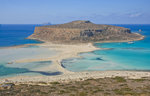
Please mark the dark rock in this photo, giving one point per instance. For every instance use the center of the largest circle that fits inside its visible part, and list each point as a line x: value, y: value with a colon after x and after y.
x: 99, y: 59
x: 10, y: 63
x: 6, y: 86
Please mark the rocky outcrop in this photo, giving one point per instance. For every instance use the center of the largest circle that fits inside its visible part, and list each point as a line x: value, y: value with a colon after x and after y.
x: 83, y: 32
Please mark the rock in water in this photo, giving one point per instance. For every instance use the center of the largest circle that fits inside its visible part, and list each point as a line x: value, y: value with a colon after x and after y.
x: 83, y: 32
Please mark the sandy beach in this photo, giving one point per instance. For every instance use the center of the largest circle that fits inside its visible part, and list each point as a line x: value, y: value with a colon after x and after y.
x: 69, y: 51
x: 78, y: 76
x: 65, y: 51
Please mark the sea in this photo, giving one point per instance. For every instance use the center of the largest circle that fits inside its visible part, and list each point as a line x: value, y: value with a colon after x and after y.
x: 16, y: 34
x: 118, y: 56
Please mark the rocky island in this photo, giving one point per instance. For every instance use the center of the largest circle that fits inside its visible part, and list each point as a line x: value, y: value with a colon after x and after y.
x: 83, y: 32
x: 56, y: 79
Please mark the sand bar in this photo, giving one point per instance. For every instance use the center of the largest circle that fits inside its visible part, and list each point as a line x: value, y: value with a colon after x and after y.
x: 69, y: 51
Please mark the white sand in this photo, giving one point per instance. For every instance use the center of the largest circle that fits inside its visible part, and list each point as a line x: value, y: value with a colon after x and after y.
x: 65, y: 51
x: 68, y: 51
x: 75, y: 76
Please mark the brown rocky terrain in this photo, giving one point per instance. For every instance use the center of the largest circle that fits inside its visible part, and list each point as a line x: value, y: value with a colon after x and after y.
x: 83, y: 32
x: 117, y: 86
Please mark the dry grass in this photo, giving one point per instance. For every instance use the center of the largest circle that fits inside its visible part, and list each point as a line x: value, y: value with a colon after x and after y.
x: 92, y: 87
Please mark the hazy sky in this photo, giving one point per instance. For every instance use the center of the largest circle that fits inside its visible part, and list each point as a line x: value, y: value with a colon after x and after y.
x: 61, y: 11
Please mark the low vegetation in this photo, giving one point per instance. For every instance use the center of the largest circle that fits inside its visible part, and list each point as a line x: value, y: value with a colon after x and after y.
x: 117, y: 86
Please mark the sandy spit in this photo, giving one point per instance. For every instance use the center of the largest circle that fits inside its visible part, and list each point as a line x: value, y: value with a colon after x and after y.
x: 69, y: 51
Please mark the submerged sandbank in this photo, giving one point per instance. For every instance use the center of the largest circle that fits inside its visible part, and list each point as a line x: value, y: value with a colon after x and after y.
x: 69, y: 51
x: 10, y: 68
x: 65, y: 51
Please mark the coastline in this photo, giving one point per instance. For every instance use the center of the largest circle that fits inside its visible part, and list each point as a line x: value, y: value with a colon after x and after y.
x: 77, y: 76
x: 65, y: 51
x: 69, y: 51
x: 141, y: 38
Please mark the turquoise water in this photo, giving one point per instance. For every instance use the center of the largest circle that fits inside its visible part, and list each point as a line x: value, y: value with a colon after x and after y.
x: 21, y: 68
x: 31, y: 52
x: 25, y: 69
x: 16, y: 34
x: 120, y: 56
x: 29, y: 68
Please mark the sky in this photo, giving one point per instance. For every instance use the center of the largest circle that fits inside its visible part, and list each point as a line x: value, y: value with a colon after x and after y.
x: 62, y: 11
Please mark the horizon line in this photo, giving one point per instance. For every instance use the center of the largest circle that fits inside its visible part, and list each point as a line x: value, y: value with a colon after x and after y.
x: 62, y: 23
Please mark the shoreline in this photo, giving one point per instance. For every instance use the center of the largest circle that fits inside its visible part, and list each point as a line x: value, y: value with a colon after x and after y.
x: 142, y: 37
x: 65, y: 51
x: 69, y: 51
x: 77, y: 76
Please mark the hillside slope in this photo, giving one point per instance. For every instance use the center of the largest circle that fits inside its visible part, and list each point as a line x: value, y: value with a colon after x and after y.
x: 83, y: 32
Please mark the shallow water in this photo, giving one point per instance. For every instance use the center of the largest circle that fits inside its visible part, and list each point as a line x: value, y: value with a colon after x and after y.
x: 120, y: 56
x: 29, y: 68
x: 16, y: 34
x: 31, y: 52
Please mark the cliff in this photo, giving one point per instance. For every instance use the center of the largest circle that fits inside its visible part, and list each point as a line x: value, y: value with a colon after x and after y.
x: 83, y: 32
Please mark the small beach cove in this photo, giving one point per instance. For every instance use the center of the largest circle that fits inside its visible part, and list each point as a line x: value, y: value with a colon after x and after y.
x: 53, y: 58
x: 65, y: 51
x: 26, y: 57
x: 74, y: 48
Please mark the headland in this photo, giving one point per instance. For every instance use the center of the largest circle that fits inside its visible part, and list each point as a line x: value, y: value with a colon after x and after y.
x: 69, y: 40
x: 83, y: 32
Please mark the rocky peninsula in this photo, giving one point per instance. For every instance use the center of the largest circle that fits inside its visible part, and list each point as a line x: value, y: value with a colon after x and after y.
x: 74, y: 38
x: 83, y: 32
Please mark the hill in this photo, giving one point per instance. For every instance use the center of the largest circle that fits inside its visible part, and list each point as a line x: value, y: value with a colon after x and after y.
x: 83, y: 32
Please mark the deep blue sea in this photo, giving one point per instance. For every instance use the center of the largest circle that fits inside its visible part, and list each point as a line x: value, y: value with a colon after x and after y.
x: 16, y: 34
x: 120, y: 56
